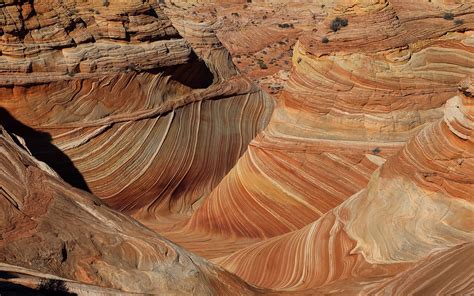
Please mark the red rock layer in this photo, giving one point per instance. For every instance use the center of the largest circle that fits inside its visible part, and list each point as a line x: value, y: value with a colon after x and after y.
x: 56, y: 39
x: 150, y: 135
x: 431, y: 275
x: 427, y: 277
x: 54, y: 228
x: 395, y: 221
x: 336, y: 121
x: 260, y: 36
x: 388, y: 24
x: 446, y: 165
x: 120, y: 146
x: 314, y: 256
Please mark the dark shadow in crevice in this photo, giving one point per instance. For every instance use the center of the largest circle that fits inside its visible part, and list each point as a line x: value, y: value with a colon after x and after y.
x: 40, y: 145
x: 7, y: 275
x: 194, y: 74
x: 13, y: 289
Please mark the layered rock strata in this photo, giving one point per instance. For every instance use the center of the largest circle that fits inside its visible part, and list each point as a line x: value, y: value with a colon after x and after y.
x: 418, y: 203
x: 53, y: 228
x: 360, y: 183
x: 146, y: 133
x: 337, y: 120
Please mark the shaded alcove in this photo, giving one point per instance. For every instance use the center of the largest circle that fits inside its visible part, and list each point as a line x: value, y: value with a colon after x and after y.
x: 40, y: 145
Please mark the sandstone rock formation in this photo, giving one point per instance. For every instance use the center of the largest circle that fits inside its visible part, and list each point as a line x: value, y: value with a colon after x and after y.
x: 260, y: 38
x: 113, y: 101
x: 15, y: 280
x: 355, y: 178
x: 418, y: 202
x: 54, y: 38
x: 338, y: 118
x: 54, y: 228
x: 137, y: 132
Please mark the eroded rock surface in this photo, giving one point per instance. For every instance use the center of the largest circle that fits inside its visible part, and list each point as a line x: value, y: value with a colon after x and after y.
x: 356, y: 177
x: 151, y: 129
x: 342, y: 113
x: 51, y: 227
x: 410, y: 209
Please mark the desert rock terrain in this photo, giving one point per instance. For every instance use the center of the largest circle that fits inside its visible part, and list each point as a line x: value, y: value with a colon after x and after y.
x: 237, y: 148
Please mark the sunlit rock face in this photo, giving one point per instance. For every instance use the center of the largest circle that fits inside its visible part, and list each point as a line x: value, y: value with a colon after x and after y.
x: 53, y: 228
x: 346, y: 108
x: 51, y: 39
x: 115, y: 102
x: 355, y: 178
x: 260, y: 37
x: 417, y: 203
x: 127, y: 109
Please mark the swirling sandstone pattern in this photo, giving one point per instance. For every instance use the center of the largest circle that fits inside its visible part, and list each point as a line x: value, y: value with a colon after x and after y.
x: 408, y: 210
x: 338, y: 119
x: 140, y: 131
x: 359, y: 182
x: 61, y: 230
x: 430, y: 276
